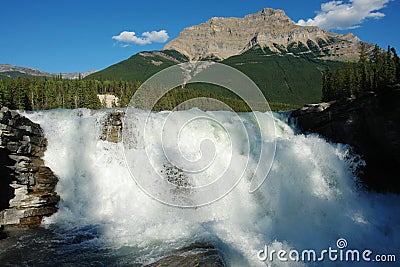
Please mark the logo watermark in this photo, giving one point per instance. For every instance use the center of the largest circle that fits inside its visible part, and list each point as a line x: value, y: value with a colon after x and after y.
x: 340, y: 253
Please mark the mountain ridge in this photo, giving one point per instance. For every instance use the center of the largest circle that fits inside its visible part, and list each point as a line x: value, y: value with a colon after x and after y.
x: 10, y: 71
x: 284, y: 78
x: 222, y: 38
x: 284, y: 60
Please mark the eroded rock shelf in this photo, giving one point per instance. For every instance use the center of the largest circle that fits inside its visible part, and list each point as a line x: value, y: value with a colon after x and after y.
x: 27, y: 185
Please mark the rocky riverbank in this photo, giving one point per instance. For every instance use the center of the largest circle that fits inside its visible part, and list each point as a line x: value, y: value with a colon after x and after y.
x: 27, y: 186
x: 370, y: 124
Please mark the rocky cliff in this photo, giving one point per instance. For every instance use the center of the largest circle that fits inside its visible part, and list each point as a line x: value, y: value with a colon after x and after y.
x: 26, y: 185
x: 371, y: 124
x: 270, y: 29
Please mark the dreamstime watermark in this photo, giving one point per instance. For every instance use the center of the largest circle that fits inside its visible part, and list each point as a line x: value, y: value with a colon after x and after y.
x: 171, y: 183
x: 340, y: 253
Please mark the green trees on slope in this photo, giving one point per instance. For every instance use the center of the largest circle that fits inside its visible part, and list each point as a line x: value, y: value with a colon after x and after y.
x: 39, y: 94
x: 373, y: 72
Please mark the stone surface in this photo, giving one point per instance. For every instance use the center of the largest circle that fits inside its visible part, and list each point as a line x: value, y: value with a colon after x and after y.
x: 204, y: 255
x: 112, y: 126
x: 224, y: 37
x: 27, y: 186
x: 108, y: 101
x: 3, y: 235
x: 371, y: 124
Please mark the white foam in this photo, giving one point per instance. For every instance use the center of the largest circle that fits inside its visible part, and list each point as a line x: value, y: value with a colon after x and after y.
x: 308, y: 201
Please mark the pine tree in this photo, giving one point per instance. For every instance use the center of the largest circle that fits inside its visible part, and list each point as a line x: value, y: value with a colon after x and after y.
x: 363, y: 54
x: 337, y: 84
x: 390, y: 68
x: 4, y: 94
x: 347, y: 82
x: 397, y: 64
x: 363, y: 70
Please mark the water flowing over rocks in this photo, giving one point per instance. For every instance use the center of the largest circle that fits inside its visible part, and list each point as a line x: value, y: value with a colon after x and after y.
x: 194, y: 255
x: 370, y: 123
x: 26, y: 185
x: 270, y: 29
x: 105, y: 218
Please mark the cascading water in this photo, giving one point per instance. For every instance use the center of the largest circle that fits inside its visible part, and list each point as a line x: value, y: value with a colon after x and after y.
x: 309, y: 200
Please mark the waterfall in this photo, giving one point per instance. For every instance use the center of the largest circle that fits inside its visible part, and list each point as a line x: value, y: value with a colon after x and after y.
x: 309, y: 200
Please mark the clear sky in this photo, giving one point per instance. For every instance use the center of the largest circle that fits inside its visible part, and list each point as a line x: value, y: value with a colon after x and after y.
x: 69, y: 36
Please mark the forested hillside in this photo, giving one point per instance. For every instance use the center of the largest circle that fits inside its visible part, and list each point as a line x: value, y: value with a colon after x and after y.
x: 287, y: 81
x: 41, y: 94
x: 373, y: 72
x: 283, y: 78
x: 48, y: 93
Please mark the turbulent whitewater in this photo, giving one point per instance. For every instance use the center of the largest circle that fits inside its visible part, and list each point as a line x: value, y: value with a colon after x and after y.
x: 309, y: 200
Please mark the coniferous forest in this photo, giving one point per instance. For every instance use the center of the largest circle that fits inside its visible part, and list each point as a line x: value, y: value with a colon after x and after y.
x: 47, y: 93
x: 376, y: 70
x: 39, y: 93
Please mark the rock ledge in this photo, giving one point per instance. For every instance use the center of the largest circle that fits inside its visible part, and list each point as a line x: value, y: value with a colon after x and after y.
x: 26, y: 185
x: 370, y: 124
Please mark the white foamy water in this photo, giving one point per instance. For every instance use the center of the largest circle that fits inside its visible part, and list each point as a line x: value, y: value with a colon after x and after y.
x: 309, y: 200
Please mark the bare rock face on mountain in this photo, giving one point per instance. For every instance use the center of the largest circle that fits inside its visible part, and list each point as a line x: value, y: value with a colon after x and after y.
x: 11, y: 71
x: 270, y: 29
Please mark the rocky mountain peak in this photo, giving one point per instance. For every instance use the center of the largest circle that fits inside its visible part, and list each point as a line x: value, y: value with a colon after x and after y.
x: 269, y: 14
x: 270, y: 29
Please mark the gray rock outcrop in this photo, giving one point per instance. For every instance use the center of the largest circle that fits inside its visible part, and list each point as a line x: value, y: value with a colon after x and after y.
x: 270, y: 29
x: 112, y: 126
x: 26, y: 184
x: 370, y: 124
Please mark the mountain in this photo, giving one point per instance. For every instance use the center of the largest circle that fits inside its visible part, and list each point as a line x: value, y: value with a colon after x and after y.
x: 15, y: 71
x: 7, y: 70
x: 270, y: 29
x: 285, y: 60
x: 283, y: 78
x: 141, y: 66
x: 76, y: 75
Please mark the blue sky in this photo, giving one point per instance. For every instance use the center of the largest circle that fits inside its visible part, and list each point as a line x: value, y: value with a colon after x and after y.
x: 68, y: 36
